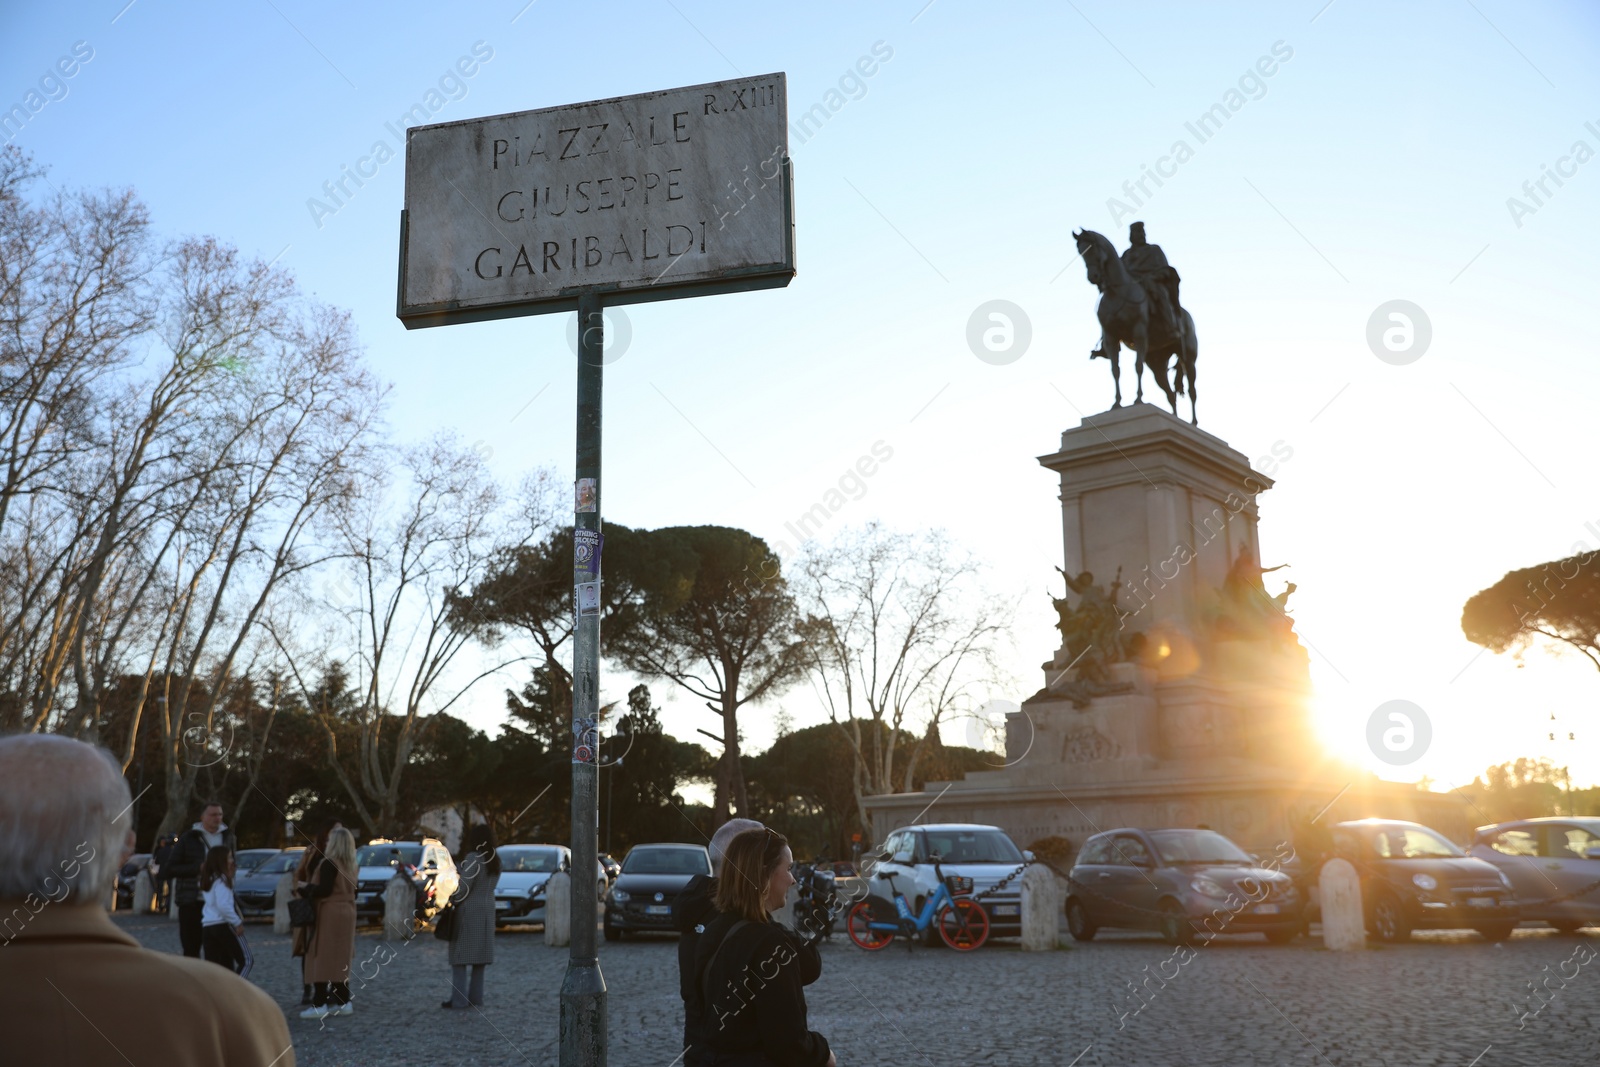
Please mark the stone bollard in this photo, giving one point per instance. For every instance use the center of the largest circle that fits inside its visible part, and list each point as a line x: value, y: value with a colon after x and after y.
x: 558, y: 910
x: 399, y: 908
x: 172, y: 899
x: 1344, y: 924
x: 1041, y: 909
x: 144, y: 894
x: 281, y: 895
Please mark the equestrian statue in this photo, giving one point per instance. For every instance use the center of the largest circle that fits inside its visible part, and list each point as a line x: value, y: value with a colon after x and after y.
x: 1139, y: 308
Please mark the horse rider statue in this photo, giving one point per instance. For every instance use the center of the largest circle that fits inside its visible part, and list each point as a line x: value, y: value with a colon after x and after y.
x: 1139, y: 308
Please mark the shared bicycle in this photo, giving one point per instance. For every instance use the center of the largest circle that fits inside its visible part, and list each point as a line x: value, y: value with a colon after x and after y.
x: 961, y: 921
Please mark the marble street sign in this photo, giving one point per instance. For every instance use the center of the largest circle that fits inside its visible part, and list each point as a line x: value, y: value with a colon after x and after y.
x: 682, y: 192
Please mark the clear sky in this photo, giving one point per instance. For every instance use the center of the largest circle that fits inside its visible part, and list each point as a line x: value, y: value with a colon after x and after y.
x: 1375, y: 163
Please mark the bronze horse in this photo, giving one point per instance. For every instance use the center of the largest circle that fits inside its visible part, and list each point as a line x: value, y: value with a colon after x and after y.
x: 1124, y: 313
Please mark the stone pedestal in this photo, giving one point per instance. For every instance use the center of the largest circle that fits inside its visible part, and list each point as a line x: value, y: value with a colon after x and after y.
x: 144, y: 893
x: 1041, y: 909
x: 399, y: 909
x: 1344, y: 926
x: 281, y: 895
x: 1207, y: 722
x: 558, y: 910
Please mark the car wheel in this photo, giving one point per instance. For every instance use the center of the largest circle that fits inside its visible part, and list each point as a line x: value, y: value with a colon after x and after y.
x: 1282, y: 937
x: 1567, y: 926
x: 1389, y: 923
x: 1176, y: 929
x: 1078, y: 924
x: 1496, y: 931
x: 612, y: 933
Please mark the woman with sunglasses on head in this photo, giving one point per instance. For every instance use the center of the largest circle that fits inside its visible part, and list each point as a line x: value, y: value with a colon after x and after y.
x: 752, y: 969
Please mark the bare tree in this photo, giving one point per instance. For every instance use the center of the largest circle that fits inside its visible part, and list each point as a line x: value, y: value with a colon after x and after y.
x: 411, y: 550
x: 896, y: 637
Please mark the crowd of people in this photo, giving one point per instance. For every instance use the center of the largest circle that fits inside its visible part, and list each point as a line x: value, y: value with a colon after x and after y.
x: 65, y: 828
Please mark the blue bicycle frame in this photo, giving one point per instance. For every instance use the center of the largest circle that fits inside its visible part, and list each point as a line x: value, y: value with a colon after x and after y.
x: 969, y: 931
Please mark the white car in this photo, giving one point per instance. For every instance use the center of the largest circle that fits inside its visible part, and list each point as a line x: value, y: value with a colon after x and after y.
x: 524, y: 872
x: 426, y: 863
x: 985, y: 854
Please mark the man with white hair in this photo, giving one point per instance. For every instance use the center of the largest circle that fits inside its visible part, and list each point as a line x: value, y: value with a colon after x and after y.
x: 76, y: 989
x: 691, y: 913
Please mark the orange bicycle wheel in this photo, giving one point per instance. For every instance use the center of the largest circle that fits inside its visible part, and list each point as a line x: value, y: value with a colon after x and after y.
x: 964, y: 925
x: 859, y: 925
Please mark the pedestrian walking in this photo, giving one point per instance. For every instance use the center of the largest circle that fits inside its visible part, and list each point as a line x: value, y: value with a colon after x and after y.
x: 160, y: 880
x: 222, y: 928
x: 752, y: 970
x: 333, y: 935
x: 472, y: 946
x: 300, y: 936
x: 184, y: 864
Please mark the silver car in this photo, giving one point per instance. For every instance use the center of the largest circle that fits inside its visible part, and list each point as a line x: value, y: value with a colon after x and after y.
x: 1550, y: 862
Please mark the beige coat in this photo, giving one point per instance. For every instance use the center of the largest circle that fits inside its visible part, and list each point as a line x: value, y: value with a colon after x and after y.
x: 333, y: 938
x: 78, y: 990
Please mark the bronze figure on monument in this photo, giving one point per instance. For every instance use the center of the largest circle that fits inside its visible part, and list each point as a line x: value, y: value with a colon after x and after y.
x: 1139, y: 308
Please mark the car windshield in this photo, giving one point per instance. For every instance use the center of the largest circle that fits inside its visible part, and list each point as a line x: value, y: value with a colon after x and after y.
x: 530, y: 860
x: 1410, y: 843
x: 388, y: 855
x: 283, y: 861
x: 971, y: 846
x: 1197, y: 846
x: 251, y: 858
x: 666, y: 861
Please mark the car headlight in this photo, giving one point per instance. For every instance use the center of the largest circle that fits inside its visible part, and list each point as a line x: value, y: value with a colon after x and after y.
x: 619, y: 895
x: 1207, y: 888
x: 1425, y: 882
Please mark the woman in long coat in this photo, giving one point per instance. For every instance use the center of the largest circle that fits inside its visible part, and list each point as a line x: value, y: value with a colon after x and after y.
x: 472, y: 946
x: 333, y: 937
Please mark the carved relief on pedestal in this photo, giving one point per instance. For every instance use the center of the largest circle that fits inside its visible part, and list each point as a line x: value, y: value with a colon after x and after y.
x: 1085, y: 744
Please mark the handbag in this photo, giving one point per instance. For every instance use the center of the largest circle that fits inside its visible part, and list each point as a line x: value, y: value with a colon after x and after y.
x: 302, y: 912
x: 445, y: 926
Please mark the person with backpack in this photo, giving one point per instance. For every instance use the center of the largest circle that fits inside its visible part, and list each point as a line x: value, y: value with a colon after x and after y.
x: 183, y: 866
x: 222, y: 928
x: 751, y: 970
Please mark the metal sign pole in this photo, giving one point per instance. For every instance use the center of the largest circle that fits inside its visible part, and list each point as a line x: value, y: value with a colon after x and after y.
x: 583, y: 991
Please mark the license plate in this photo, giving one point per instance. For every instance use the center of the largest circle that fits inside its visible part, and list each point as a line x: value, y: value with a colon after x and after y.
x: 1480, y: 902
x: 1266, y: 909
x: 658, y: 909
x: 502, y: 905
x: 1007, y: 909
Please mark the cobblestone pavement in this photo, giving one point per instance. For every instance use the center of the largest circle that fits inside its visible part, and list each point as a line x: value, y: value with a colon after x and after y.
x: 1446, y: 999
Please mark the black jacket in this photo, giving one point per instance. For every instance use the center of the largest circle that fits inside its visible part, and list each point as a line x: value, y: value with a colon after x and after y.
x: 188, y: 855
x: 691, y: 913
x: 755, y: 1013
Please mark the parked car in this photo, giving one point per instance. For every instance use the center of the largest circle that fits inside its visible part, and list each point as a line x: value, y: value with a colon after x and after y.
x: 612, y: 867
x: 984, y: 854
x: 255, y: 890
x: 652, y: 876
x: 127, y: 876
x: 247, y: 859
x: 1544, y: 859
x: 426, y: 863
x: 1178, y: 882
x: 525, y: 870
x: 1413, y: 878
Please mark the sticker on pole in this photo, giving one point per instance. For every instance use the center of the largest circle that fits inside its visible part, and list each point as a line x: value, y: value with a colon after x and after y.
x: 681, y: 192
x: 586, y: 545
x: 587, y: 495
x: 585, y: 740
x: 588, y: 598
